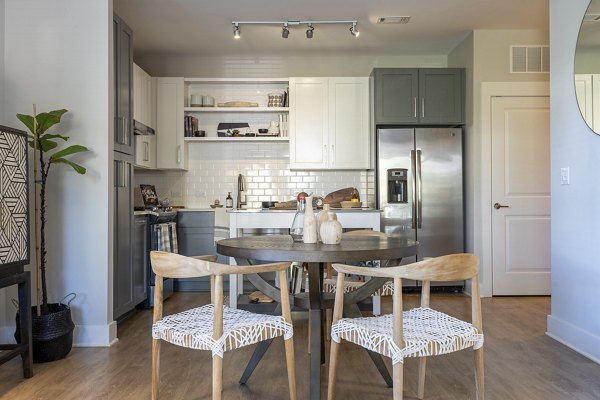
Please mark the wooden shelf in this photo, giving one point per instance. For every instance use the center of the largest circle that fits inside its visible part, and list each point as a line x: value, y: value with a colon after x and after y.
x: 237, y: 109
x: 238, y: 139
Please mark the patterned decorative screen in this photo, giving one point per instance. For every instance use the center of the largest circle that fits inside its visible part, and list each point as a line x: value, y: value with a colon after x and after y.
x: 14, y: 196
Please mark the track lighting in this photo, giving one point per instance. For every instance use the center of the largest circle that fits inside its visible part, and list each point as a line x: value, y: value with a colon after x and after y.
x: 285, y: 30
x: 309, y: 31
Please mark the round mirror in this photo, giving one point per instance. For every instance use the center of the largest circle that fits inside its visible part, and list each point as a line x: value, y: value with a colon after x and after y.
x: 587, y: 66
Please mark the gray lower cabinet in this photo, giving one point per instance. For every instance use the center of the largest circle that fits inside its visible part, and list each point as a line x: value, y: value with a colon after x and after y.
x: 195, y: 237
x: 408, y: 96
x: 123, y: 297
x: 140, y: 258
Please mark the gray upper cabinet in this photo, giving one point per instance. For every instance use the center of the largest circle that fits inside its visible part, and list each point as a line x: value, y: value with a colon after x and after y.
x: 123, y: 70
x: 419, y: 96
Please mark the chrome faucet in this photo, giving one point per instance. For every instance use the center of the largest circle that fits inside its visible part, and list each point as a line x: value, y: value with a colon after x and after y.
x: 240, y: 189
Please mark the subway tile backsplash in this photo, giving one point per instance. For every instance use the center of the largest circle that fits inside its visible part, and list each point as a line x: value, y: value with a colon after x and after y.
x: 214, y: 168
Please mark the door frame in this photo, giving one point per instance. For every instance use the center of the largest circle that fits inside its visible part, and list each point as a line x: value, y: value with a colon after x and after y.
x: 483, y: 217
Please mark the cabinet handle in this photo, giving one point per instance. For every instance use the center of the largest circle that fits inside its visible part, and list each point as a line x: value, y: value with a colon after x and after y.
x: 415, y: 113
x: 178, y: 154
x: 333, y: 154
x: 423, y: 107
x: 123, y: 137
x: 146, y: 152
x: 121, y: 174
x: 325, y: 153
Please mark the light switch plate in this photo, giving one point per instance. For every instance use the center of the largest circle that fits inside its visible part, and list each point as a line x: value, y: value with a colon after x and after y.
x: 565, y: 179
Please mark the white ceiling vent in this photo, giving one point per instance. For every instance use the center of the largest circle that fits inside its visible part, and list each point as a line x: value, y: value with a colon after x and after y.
x: 529, y: 59
x: 393, y: 20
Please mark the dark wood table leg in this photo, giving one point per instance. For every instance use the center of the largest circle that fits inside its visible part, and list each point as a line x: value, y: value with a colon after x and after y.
x: 351, y: 310
x: 259, y: 352
x: 317, y: 353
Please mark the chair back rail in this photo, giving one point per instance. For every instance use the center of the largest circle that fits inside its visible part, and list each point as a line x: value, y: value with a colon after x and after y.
x: 451, y: 267
x: 170, y: 265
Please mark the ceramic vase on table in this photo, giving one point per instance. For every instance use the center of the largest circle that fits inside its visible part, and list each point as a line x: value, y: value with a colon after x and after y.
x: 331, y: 230
x: 322, y: 217
x: 310, y: 223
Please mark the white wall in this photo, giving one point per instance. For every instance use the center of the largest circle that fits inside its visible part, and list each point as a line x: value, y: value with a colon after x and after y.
x: 574, y: 319
x: 57, y: 55
x: 463, y: 56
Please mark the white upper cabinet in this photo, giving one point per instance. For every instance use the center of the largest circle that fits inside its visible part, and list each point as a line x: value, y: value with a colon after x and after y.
x: 329, y: 123
x: 142, y: 96
x: 171, y: 148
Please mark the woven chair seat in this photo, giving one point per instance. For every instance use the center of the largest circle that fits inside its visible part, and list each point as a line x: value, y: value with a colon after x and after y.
x: 330, y: 285
x: 194, y: 328
x: 426, y: 332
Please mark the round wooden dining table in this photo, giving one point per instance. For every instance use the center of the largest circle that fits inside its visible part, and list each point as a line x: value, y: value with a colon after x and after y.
x: 250, y: 250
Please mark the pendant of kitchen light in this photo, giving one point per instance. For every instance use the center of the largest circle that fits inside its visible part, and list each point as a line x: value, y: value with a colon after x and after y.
x: 354, y: 30
x: 309, y: 31
x: 236, y: 31
x: 285, y: 32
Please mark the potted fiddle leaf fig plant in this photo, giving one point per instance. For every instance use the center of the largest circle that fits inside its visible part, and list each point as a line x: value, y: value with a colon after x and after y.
x: 52, y: 326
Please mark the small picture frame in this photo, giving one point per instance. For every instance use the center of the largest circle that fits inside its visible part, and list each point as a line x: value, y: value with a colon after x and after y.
x: 149, y: 195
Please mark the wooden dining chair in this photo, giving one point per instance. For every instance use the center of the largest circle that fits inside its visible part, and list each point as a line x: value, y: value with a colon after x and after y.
x: 216, y: 327
x: 419, y: 332
x: 329, y: 282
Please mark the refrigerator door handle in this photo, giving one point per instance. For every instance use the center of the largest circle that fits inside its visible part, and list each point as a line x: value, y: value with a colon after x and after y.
x: 419, y: 192
x: 413, y: 163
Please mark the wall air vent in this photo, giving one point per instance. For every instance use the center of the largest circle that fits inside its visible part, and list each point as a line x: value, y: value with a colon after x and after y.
x: 529, y: 59
x: 393, y: 20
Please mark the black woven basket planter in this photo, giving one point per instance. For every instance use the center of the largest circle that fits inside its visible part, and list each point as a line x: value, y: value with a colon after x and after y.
x: 52, y: 334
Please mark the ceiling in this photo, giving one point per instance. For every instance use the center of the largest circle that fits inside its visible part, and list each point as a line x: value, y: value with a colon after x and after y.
x: 203, y: 27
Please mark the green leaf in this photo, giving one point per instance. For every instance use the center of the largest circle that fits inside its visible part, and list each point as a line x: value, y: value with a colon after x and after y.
x: 49, y: 119
x: 45, y: 145
x: 54, y: 136
x: 78, y: 168
x: 67, y: 151
x: 27, y: 120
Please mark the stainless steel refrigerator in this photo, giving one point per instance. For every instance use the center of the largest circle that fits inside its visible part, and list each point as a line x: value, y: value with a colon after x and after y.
x: 419, y: 180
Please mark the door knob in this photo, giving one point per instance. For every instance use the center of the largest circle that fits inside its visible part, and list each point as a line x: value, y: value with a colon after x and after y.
x: 498, y: 206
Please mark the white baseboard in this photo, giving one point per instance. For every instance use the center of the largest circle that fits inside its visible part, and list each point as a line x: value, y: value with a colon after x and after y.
x: 574, y: 337
x: 95, y: 335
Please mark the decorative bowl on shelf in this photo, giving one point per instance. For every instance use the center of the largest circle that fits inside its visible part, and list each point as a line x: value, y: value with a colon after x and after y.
x: 351, y: 204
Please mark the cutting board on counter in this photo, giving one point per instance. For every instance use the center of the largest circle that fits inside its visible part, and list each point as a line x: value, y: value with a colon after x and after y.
x: 334, y: 199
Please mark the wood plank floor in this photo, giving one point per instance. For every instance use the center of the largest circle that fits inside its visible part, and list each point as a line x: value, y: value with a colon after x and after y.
x: 521, y: 363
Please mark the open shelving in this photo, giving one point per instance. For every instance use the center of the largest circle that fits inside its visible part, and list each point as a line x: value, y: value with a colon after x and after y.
x: 224, y: 90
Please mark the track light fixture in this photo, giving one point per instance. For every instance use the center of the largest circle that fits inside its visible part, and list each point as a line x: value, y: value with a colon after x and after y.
x: 285, y: 31
x: 309, y: 31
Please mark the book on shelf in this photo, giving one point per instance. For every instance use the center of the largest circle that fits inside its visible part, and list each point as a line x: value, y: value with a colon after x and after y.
x: 190, y: 125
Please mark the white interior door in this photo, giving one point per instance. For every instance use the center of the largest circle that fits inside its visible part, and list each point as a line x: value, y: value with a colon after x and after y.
x: 521, y: 195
